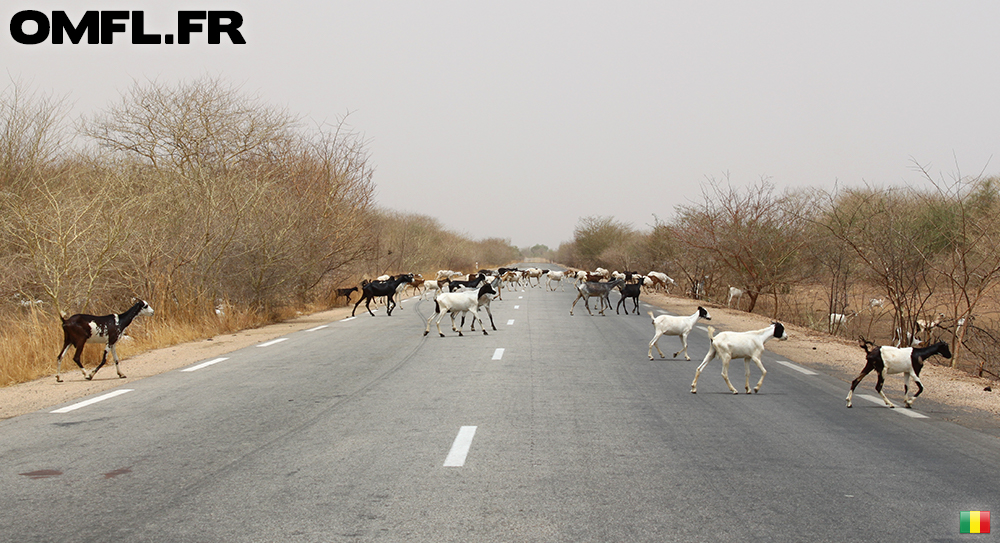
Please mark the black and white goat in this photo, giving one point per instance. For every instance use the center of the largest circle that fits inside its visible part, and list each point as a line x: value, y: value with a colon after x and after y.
x: 459, y: 302
x: 888, y: 360
x: 746, y: 345
x: 81, y: 329
x: 670, y: 325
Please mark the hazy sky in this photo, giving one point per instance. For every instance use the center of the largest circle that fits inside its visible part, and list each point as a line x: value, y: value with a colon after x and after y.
x: 514, y: 119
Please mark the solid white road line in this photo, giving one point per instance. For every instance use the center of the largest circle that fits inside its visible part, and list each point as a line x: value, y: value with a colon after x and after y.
x: 796, y: 367
x: 205, y: 364
x: 91, y: 401
x: 498, y: 354
x: 318, y: 328
x: 460, y: 448
x: 902, y: 411
x: 272, y: 342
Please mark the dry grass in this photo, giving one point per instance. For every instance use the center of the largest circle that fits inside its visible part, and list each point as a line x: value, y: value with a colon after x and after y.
x: 31, y: 342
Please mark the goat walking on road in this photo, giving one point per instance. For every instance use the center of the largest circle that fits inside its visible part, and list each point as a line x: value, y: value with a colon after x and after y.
x: 746, y: 345
x: 81, y: 329
x: 669, y: 325
x: 590, y: 289
x: 888, y: 360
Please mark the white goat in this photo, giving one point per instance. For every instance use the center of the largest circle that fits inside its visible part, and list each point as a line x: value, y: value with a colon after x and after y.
x: 669, y: 325
x: 734, y: 293
x: 556, y: 276
x: 660, y: 279
x: 459, y: 302
x: 746, y: 345
x: 840, y: 319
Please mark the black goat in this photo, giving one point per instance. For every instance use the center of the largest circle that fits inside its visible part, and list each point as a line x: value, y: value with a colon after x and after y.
x: 472, y: 283
x: 631, y: 290
x: 382, y: 288
x: 346, y: 293
x: 81, y: 329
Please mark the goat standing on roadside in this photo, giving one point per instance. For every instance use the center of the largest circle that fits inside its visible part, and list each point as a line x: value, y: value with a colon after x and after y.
x: 888, y: 360
x: 734, y: 293
x: 81, y: 329
x: 746, y: 345
x: 669, y: 325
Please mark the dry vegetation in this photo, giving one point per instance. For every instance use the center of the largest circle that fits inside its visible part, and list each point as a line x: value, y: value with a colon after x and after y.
x: 801, y: 256
x: 221, y: 211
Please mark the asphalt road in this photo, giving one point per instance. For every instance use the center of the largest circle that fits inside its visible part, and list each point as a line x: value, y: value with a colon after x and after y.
x: 366, y: 430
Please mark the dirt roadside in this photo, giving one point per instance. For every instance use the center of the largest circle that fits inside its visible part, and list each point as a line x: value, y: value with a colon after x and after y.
x: 949, y: 394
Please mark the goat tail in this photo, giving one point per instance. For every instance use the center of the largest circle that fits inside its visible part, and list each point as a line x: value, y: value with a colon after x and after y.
x: 652, y: 316
x: 63, y: 316
x: 711, y: 330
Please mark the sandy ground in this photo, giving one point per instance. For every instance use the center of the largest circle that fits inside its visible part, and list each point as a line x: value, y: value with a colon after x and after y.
x: 949, y: 394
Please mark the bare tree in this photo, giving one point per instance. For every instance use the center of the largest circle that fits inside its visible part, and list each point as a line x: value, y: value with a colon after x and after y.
x: 754, y: 236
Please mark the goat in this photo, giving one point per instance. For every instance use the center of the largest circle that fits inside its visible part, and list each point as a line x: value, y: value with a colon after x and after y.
x: 431, y: 285
x: 746, y: 345
x: 840, y: 319
x: 346, y: 293
x: 734, y: 293
x: 629, y: 291
x: 660, y: 279
x: 888, y: 360
x: 81, y: 329
x: 923, y: 324
x: 556, y: 276
x: 459, y: 302
x: 669, y: 325
x: 484, y: 302
x: 876, y: 302
x: 381, y: 288
x: 534, y: 273
x: 592, y: 288
x: 471, y: 283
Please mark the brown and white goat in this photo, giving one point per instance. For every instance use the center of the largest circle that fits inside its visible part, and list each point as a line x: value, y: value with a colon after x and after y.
x: 81, y: 329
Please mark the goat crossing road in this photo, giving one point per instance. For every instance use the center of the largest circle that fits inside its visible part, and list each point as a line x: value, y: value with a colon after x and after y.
x: 365, y: 429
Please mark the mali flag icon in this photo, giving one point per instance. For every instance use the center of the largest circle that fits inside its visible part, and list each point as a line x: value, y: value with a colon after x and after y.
x: 975, y: 522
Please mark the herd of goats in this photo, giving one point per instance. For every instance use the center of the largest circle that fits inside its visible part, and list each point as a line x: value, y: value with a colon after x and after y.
x: 455, y: 293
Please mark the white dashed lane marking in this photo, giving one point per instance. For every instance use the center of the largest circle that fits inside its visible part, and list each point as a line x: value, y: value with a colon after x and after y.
x: 796, y: 367
x: 510, y: 322
x: 460, y: 448
x: 902, y: 411
x: 318, y: 328
x: 205, y: 364
x: 272, y: 342
x: 92, y: 401
x: 498, y: 354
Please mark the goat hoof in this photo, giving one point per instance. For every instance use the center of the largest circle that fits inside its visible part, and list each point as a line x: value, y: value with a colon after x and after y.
x: 120, y: 376
x: 426, y: 332
x: 442, y: 335
x: 58, y: 379
x: 848, y: 406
